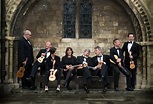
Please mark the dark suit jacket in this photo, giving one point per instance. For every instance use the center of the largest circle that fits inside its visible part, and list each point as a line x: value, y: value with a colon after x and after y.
x: 40, y: 52
x: 135, y: 49
x: 113, y: 51
x: 25, y: 50
x: 49, y: 63
x: 80, y: 59
x: 105, y: 59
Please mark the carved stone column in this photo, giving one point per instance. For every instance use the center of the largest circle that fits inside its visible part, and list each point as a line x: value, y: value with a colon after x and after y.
x: 139, y: 72
x: 144, y: 81
x: 10, y: 41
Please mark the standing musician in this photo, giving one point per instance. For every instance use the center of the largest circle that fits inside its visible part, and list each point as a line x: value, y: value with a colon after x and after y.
x: 131, y: 49
x: 40, y: 62
x: 118, y: 66
x: 25, y: 57
x: 101, y: 62
x: 85, y: 61
x: 68, y: 62
x: 52, y: 64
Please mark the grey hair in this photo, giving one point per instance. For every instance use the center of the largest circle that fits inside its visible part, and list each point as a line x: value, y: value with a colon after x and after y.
x: 87, y: 50
x: 25, y: 32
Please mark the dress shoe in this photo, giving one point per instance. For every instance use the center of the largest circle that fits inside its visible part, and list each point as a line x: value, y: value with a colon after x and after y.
x: 106, y: 85
x: 116, y: 89
x: 129, y: 89
x: 86, y: 89
x: 25, y: 87
x: 29, y: 79
x: 33, y: 87
x: 104, y: 89
x: 133, y: 87
x: 69, y: 88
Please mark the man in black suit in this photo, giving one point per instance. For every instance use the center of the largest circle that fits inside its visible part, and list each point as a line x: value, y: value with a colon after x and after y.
x: 84, y: 71
x: 134, y: 48
x: 53, y: 64
x: 116, y: 57
x: 101, y: 62
x: 40, y: 62
x: 25, y: 56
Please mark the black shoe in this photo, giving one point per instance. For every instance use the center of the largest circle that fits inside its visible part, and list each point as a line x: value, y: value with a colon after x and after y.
x: 104, y: 89
x: 133, y: 87
x: 86, y: 89
x: 116, y: 89
x: 29, y: 79
x: 69, y: 88
x: 25, y: 87
x: 33, y: 87
x: 129, y: 89
x: 106, y: 85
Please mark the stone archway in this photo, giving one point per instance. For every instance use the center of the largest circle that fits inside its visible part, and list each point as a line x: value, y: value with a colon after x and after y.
x: 134, y: 8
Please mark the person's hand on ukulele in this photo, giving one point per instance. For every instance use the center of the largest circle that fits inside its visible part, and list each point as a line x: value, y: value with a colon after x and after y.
x: 24, y: 63
x: 52, y: 70
x: 43, y: 54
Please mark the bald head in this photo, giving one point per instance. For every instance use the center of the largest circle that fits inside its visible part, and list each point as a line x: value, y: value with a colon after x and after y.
x: 27, y: 34
x: 48, y: 45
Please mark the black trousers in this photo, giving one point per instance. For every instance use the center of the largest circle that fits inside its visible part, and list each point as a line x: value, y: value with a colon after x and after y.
x: 117, y: 71
x: 27, y: 72
x: 85, y: 72
x: 103, y: 72
x: 58, y: 77
x: 133, y: 74
x: 35, y: 68
x: 69, y: 75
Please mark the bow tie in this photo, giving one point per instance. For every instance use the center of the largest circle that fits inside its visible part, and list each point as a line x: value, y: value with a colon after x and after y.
x: 117, y: 48
x: 130, y: 42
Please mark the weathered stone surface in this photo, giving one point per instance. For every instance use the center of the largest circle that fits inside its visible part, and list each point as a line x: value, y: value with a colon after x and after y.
x: 110, y: 20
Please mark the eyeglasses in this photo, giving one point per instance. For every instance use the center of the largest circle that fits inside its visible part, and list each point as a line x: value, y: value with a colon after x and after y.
x: 29, y: 34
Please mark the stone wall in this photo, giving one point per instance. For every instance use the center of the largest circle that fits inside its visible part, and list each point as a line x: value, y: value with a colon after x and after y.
x: 45, y: 18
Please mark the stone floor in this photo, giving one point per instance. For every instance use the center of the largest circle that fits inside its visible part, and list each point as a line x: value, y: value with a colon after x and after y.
x: 96, y: 96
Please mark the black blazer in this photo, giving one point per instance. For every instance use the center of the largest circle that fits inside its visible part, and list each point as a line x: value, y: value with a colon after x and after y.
x: 135, y: 49
x: 25, y: 50
x: 68, y: 61
x: 105, y: 59
x: 40, y: 52
x: 113, y: 51
x: 80, y: 59
x: 49, y: 63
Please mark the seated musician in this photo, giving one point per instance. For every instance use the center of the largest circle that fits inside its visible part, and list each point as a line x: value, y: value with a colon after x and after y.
x: 40, y: 62
x: 116, y: 56
x: 84, y: 71
x: 53, y: 64
x: 101, y: 62
x: 68, y: 62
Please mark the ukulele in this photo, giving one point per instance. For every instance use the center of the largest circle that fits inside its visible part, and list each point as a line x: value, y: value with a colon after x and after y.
x: 132, y: 65
x: 52, y: 76
x: 20, y: 72
x: 122, y: 67
x: 41, y: 58
x: 85, y: 65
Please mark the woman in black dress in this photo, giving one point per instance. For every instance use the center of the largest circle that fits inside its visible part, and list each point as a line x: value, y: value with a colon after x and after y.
x: 68, y: 62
